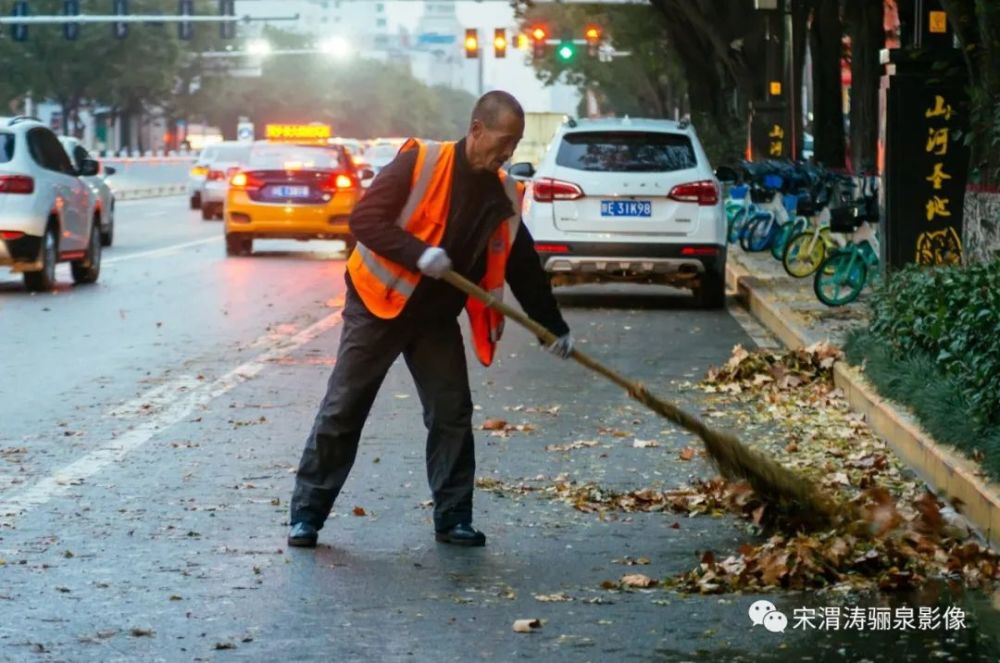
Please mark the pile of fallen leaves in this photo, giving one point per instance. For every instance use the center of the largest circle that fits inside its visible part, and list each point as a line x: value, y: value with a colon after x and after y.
x: 891, y: 534
x: 784, y: 370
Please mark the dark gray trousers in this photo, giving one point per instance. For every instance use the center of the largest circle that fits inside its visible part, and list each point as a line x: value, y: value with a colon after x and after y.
x: 435, y: 355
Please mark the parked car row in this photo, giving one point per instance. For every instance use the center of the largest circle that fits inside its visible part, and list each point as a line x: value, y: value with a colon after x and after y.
x: 54, y: 205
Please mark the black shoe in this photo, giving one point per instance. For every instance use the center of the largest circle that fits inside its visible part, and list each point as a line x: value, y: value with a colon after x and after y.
x: 461, y: 535
x: 302, y: 535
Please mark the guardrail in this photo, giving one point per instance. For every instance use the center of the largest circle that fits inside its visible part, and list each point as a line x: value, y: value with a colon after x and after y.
x: 134, y: 193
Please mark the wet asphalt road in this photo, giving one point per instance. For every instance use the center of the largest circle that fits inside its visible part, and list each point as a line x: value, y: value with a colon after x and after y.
x: 149, y: 430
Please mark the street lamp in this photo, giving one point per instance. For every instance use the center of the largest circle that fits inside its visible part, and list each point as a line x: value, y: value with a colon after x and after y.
x: 259, y: 47
x: 338, y: 47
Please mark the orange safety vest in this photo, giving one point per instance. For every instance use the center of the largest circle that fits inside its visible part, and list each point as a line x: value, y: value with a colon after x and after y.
x: 385, y: 286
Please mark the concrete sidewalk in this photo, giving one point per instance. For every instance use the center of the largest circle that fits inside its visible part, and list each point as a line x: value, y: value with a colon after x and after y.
x: 789, y: 308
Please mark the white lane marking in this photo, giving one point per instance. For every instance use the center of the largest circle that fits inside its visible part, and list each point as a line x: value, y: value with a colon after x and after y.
x: 173, y: 412
x: 166, y: 250
x: 756, y: 331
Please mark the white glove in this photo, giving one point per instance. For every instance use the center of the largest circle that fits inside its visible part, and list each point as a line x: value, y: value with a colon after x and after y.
x: 562, y: 347
x: 434, y: 262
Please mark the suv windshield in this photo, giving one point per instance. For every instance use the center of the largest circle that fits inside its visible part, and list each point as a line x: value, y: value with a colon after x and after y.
x: 294, y: 157
x: 626, y: 151
x: 6, y: 147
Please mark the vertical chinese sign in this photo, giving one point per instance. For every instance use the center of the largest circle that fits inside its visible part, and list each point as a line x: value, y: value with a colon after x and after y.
x: 925, y: 163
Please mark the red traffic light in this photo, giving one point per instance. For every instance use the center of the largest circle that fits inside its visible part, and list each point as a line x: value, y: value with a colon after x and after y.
x: 539, y: 35
x: 592, y: 34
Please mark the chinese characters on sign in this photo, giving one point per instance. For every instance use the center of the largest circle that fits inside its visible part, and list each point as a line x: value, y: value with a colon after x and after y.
x: 776, y: 137
x: 937, y: 245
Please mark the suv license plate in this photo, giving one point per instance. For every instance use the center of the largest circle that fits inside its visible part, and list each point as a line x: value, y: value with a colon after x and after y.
x: 639, y: 208
x: 290, y: 191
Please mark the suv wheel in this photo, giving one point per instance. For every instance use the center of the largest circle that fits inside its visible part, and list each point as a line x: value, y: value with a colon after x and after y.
x: 45, y: 279
x: 89, y: 268
x: 238, y: 245
x: 711, y: 292
x: 207, y: 212
x: 196, y: 201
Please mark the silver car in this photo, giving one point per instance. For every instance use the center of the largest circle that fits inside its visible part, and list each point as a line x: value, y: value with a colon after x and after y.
x: 78, y: 154
x: 207, y: 182
x: 48, y: 214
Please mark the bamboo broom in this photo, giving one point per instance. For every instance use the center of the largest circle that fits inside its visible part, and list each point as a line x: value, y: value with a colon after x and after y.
x: 793, y: 497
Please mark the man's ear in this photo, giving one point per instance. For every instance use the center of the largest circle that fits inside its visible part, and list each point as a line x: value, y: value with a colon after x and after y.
x: 476, y: 128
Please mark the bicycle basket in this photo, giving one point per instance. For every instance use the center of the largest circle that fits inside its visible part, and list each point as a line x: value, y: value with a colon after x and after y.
x: 807, y: 206
x: 773, y: 181
x: 845, y: 219
x: 738, y: 191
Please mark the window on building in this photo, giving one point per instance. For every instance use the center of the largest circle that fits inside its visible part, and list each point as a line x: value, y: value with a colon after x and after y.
x: 381, y: 23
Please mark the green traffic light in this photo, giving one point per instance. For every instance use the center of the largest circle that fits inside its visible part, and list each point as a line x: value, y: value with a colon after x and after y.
x: 566, y: 51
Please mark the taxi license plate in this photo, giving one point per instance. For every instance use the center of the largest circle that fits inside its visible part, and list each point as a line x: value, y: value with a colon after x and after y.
x: 290, y: 191
x: 635, y: 208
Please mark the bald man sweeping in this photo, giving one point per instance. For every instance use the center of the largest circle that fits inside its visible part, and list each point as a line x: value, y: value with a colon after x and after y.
x: 436, y: 207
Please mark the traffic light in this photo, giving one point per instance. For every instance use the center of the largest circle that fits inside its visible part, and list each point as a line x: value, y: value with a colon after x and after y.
x: 119, y: 30
x: 538, y: 37
x: 592, y: 35
x: 71, y: 30
x: 566, y: 50
x: 19, y: 31
x: 500, y: 42
x: 471, y: 43
x: 227, y: 30
x: 184, y: 29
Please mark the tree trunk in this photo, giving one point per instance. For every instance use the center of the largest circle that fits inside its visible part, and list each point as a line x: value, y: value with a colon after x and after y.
x: 825, y: 45
x: 865, y: 27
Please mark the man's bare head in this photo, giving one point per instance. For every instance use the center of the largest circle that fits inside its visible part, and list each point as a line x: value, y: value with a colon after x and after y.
x: 495, y: 130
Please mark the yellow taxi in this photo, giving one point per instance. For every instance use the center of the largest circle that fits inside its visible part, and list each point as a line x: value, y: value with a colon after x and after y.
x: 292, y: 186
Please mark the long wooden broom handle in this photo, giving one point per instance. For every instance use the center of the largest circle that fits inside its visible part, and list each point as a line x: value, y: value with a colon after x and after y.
x: 636, y: 390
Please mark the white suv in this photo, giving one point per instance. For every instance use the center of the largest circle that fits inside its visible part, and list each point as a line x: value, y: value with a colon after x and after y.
x: 47, y: 213
x: 628, y: 200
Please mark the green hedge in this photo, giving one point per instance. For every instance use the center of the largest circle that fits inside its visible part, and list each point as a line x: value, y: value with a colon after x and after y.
x: 952, y: 316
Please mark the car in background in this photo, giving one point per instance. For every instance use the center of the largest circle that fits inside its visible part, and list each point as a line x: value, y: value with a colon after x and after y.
x: 630, y: 200
x: 199, y: 172
x: 378, y: 155
x: 78, y: 154
x: 221, y: 167
x: 48, y: 214
x: 290, y: 191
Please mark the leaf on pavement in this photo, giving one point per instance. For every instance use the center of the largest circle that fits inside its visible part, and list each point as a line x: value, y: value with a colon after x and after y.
x: 526, y: 625
x: 687, y: 453
x: 553, y: 598
x: 359, y: 511
x: 569, y: 446
x: 494, y: 424
x: 637, y: 580
x: 644, y: 444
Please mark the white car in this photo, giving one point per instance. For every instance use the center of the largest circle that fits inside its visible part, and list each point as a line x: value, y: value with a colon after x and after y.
x: 226, y: 163
x: 98, y: 184
x: 199, y: 172
x: 48, y: 214
x: 628, y: 200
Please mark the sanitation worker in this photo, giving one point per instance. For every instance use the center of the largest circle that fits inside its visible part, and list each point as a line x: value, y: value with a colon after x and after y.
x: 436, y: 207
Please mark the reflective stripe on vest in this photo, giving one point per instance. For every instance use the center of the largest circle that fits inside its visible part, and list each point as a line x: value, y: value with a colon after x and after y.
x: 383, y: 285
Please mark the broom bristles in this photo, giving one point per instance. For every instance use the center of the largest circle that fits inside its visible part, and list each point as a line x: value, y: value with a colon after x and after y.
x: 791, y: 495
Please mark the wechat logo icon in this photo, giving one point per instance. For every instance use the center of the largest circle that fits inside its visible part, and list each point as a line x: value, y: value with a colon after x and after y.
x: 763, y: 613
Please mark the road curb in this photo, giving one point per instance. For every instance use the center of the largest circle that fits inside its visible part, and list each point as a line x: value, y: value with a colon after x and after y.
x: 947, y: 471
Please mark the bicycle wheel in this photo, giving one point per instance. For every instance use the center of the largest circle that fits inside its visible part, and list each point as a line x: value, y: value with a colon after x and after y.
x: 840, y: 278
x: 803, y: 255
x: 781, y: 238
x: 736, y: 221
x: 761, y: 234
